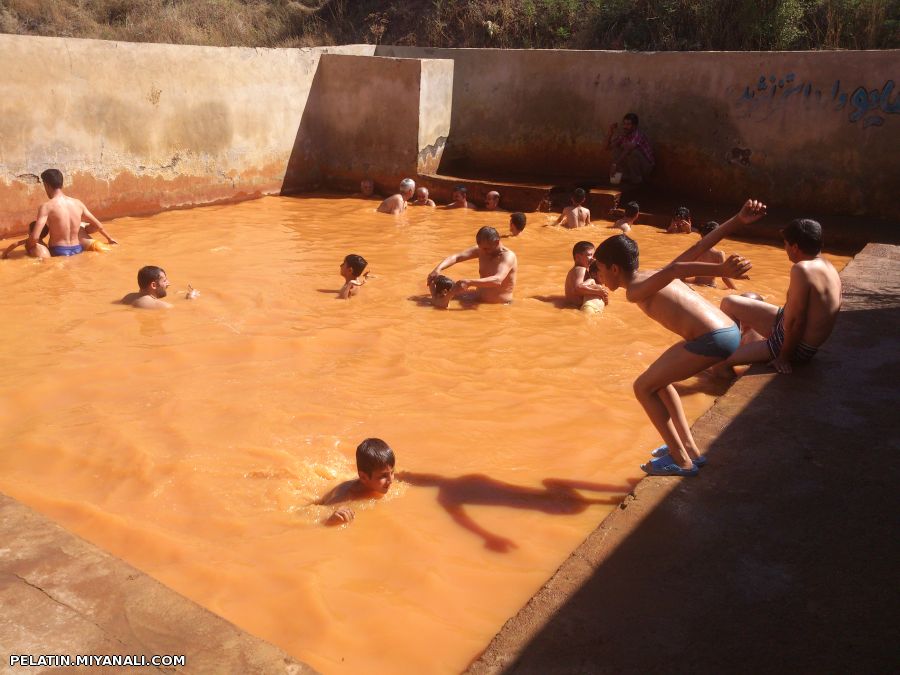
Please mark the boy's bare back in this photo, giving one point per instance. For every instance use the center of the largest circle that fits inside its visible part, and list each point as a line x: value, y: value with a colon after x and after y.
x: 576, y: 216
x: 63, y: 216
x: 815, y: 285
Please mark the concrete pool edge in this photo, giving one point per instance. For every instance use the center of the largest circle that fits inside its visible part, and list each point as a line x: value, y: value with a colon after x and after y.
x: 738, y: 568
x: 64, y: 596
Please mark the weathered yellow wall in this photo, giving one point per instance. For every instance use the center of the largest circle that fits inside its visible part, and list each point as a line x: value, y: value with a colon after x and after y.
x: 822, y: 134
x: 138, y: 128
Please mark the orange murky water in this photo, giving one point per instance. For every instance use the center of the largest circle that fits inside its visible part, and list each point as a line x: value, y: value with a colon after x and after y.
x: 191, y: 442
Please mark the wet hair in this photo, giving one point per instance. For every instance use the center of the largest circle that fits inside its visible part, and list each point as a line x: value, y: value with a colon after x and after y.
x: 632, y: 209
x: 805, y: 233
x: 706, y: 228
x: 683, y: 213
x: 372, y: 454
x: 356, y: 263
x: 631, y: 117
x: 53, y: 178
x: 460, y: 188
x: 619, y: 250
x: 593, y: 270
x: 147, y: 275
x: 578, y: 194
x: 581, y: 247
x: 518, y: 219
x: 441, y: 284
x: 407, y: 184
x: 486, y: 233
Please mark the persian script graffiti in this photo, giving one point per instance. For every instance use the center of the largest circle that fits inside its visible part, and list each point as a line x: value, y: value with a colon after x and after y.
x: 868, y: 105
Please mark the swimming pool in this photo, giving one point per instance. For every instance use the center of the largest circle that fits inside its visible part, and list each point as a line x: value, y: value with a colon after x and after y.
x: 191, y: 442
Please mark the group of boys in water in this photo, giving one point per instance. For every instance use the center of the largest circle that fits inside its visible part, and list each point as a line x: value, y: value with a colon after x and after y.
x: 743, y: 329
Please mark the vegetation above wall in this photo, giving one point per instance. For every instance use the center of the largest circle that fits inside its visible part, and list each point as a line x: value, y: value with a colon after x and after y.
x: 651, y: 25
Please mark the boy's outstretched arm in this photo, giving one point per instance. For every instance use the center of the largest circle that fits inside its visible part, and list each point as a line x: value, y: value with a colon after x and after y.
x: 451, y: 260
x: 97, y: 225
x: 735, y: 267
x: 12, y: 247
x: 750, y: 212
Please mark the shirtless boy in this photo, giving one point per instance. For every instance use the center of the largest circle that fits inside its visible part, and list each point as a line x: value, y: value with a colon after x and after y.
x: 579, y: 285
x: 62, y: 215
x: 460, y: 199
x: 375, y: 468
x: 517, y: 222
x: 497, y: 267
x: 708, y: 336
x: 421, y: 198
x: 397, y: 203
x: 443, y: 290
x: 632, y: 210
x: 575, y: 215
x: 681, y: 221
x: 713, y: 255
x: 797, y: 330
x: 351, y: 269
x: 152, y: 282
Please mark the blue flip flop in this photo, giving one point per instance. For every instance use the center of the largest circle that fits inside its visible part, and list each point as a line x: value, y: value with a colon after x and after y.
x: 663, y: 451
x: 662, y: 467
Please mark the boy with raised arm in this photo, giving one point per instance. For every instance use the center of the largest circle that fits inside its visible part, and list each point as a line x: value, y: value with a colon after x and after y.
x: 375, y: 468
x: 575, y: 215
x: 708, y: 336
x: 796, y: 331
x: 712, y: 255
x: 580, y: 288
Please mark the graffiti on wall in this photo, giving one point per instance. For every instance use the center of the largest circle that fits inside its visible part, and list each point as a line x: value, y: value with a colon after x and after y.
x: 869, y: 106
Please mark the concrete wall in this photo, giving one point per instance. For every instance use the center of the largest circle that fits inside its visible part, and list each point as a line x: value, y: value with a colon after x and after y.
x: 805, y: 130
x: 137, y: 128
x: 382, y: 118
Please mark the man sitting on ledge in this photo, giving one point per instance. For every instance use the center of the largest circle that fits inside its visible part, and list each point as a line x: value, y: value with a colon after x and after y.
x: 632, y: 155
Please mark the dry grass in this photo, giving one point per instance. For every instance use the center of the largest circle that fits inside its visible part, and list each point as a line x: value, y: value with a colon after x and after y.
x: 586, y: 24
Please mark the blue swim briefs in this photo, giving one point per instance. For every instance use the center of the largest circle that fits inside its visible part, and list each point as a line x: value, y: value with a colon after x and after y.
x: 721, y: 342
x: 66, y: 250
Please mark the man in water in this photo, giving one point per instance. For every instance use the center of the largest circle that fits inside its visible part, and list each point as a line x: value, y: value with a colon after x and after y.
x: 152, y: 282
x: 62, y: 215
x: 492, y: 201
x: 497, y: 267
x: 397, y: 203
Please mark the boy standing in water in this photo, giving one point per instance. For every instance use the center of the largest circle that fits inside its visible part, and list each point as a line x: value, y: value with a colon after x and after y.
x: 575, y: 215
x: 708, y: 335
x: 375, y: 467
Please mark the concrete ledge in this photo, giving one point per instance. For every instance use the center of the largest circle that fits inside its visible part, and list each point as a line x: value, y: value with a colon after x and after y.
x: 62, y: 595
x: 778, y: 558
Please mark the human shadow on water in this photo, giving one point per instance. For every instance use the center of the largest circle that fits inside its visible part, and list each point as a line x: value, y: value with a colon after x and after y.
x: 330, y: 291
x: 559, y: 496
x: 558, y: 301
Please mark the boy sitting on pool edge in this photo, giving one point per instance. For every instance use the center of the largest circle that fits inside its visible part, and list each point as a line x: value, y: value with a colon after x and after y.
x: 708, y: 335
x: 375, y: 466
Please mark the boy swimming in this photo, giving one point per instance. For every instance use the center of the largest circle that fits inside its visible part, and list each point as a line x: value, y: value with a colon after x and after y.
x: 517, y: 222
x: 708, y: 335
x: 375, y: 468
x: 351, y: 269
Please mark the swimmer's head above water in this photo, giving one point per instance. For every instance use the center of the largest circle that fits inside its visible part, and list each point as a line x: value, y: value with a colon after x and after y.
x: 583, y: 253
x: 367, y: 187
x: 578, y: 196
x: 152, y: 281
x: 407, y: 187
x: 487, y: 239
x: 516, y: 223
x: 440, y: 285
x: 617, y: 260
x: 492, y: 200
x: 375, y: 465
x: 353, y: 266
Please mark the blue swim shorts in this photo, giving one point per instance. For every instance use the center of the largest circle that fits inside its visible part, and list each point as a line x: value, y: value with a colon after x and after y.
x: 66, y: 250
x: 721, y: 342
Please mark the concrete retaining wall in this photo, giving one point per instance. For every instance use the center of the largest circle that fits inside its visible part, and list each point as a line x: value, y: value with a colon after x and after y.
x: 372, y: 117
x: 137, y: 128
x: 803, y: 130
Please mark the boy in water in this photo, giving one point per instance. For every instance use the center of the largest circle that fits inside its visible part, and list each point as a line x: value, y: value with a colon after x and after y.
x: 375, y: 467
x: 580, y: 288
x: 443, y: 290
x: 712, y: 255
x: 575, y: 215
x: 632, y: 210
x: 421, y: 198
x: 797, y: 330
x: 708, y: 335
x: 351, y: 269
x: 517, y: 222
x: 681, y: 221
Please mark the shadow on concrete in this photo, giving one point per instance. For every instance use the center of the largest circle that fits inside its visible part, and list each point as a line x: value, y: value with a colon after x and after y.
x: 303, y: 172
x: 558, y: 497
x: 777, y: 558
